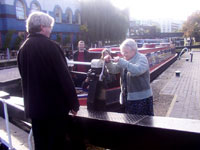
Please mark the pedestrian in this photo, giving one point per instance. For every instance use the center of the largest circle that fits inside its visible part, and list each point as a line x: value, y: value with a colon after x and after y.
x: 136, y: 93
x: 48, y: 89
x: 84, y: 56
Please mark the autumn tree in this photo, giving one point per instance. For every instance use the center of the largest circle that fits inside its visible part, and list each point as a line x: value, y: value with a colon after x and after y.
x: 191, y: 27
x: 84, y: 32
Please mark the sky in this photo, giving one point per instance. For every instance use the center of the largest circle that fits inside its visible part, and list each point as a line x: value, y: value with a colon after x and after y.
x: 159, y: 9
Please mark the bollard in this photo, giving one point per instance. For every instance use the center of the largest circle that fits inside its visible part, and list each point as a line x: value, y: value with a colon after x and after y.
x: 191, y: 54
x: 178, y: 73
x: 8, y: 53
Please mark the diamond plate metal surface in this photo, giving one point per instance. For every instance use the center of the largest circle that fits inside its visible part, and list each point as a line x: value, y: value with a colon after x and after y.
x: 110, y: 116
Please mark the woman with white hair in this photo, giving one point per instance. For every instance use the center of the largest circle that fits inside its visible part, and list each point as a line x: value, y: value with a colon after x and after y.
x: 136, y: 93
x: 48, y: 89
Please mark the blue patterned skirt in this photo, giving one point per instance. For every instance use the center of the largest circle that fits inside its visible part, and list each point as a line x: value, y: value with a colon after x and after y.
x: 140, y: 107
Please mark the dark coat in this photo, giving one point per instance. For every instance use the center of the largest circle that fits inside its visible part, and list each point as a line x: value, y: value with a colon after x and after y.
x: 48, y: 88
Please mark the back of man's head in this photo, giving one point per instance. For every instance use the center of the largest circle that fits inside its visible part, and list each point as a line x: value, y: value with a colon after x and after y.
x: 38, y: 19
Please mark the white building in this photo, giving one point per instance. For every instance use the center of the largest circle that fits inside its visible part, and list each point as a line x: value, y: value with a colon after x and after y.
x: 170, y: 25
x: 166, y: 25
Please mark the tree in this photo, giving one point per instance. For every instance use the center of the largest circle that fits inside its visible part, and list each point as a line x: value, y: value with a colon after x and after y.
x: 191, y: 27
x: 58, y: 38
x: 8, y: 39
x: 84, y: 31
x: 18, y: 41
x: 67, y: 40
x: 104, y: 22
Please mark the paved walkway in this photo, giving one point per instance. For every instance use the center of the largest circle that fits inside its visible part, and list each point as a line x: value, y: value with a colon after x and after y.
x: 185, y: 89
x: 9, y: 74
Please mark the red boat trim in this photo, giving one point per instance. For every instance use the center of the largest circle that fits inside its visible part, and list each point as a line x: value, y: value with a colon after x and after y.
x: 83, y: 101
x: 142, y: 50
x: 154, y: 68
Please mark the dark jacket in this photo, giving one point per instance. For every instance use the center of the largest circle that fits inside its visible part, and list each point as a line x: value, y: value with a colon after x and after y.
x: 48, y: 88
x: 87, y: 58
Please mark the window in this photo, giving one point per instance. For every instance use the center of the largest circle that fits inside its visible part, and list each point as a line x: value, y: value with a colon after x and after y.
x: 20, y: 10
x: 69, y: 16
x: 78, y: 18
x: 35, y: 7
x: 58, y: 15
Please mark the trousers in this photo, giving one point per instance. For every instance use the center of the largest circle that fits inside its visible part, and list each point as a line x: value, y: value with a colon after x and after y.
x: 49, y: 134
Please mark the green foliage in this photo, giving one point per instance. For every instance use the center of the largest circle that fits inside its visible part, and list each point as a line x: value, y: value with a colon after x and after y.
x: 103, y: 21
x: 67, y: 40
x: 84, y: 28
x: 191, y: 27
x: 18, y: 41
x: 77, y: 40
x: 58, y: 38
x: 8, y: 39
x: 84, y: 32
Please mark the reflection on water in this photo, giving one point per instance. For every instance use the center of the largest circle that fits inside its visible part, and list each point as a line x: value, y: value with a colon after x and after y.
x: 14, y: 90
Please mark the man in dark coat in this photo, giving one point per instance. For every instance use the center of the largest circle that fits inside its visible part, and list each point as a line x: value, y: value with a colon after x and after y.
x: 48, y: 89
x: 84, y: 56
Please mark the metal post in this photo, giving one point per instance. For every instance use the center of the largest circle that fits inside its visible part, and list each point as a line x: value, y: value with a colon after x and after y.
x: 191, y: 54
x: 30, y: 139
x: 72, y: 48
x: 7, y: 124
x: 8, y: 54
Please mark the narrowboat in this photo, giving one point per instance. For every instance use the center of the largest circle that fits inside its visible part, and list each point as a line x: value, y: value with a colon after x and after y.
x: 157, y: 54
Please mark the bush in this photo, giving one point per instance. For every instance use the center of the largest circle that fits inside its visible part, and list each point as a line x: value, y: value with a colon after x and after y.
x: 8, y: 39
x: 18, y: 42
x: 58, y: 38
x: 67, y: 40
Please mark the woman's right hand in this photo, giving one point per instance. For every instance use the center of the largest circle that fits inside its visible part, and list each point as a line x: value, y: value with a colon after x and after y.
x: 107, y: 58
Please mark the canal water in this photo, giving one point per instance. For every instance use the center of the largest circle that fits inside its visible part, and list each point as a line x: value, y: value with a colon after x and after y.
x: 14, y: 90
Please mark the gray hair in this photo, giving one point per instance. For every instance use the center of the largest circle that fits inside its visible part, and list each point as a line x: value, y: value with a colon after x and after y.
x: 38, y: 19
x: 130, y: 43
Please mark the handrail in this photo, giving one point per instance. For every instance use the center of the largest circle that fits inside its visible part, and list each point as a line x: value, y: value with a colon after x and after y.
x: 7, y: 123
x: 19, y: 107
x: 71, y: 62
x: 179, y: 56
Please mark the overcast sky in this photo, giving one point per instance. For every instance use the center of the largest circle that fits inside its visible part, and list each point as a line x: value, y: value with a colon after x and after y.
x: 156, y: 9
